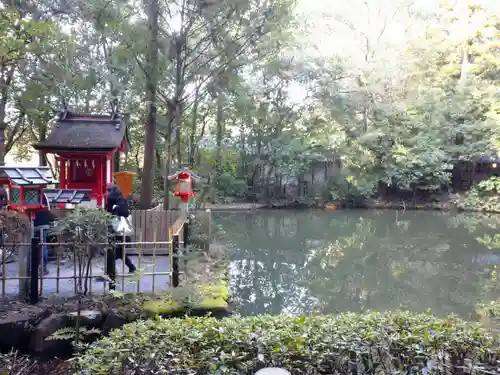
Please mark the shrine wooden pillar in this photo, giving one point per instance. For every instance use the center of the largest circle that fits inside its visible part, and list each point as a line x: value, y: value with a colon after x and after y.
x: 69, y: 172
x: 99, y: 174
x: 109, y: 168
x: 62, y: 172
x: 62, y: 176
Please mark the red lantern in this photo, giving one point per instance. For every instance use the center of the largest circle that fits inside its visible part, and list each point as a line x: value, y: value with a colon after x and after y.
x: 184, y: 188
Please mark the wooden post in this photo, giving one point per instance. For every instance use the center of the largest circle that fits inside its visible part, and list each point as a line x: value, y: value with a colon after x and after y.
x: 185, y: 238
x: 209, y: 229
x: 111, y: 264
x: 175, y: 261
x: 23, y: 263
x: 35, y: 265
x: 185, y: 233
x: 24, y: 259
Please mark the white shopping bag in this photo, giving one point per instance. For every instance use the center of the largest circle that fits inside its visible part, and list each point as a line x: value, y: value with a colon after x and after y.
x: 123, y: 225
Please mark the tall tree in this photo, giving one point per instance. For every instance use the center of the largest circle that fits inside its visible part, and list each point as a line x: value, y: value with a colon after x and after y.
x: 151, y: 100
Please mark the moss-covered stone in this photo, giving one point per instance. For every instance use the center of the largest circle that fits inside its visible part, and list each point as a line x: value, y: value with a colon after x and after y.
x: 219, y: 290
x: 204, y: 297
x: 212, y: 303
x: 162, y: 307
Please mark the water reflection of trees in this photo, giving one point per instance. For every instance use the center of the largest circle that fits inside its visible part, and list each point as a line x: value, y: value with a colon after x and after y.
x: 356, y: 260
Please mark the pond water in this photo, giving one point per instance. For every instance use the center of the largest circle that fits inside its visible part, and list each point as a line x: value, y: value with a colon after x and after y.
x: 327, y: 262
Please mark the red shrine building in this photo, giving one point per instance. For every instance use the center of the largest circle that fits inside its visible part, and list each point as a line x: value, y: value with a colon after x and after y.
x: 85, y: 147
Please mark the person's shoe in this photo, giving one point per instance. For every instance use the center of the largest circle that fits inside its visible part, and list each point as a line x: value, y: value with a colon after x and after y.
x: 100, y: 279
x: 131, y: 271
x: 45, y: 271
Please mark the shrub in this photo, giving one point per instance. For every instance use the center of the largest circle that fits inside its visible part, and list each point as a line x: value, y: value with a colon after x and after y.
x: 229, y: 186
x: 372, y: 343
x: 200, y: 229
x: 488, y: 314
x: 87, y: 230
x: 15, y: 228
x: 482, y: 196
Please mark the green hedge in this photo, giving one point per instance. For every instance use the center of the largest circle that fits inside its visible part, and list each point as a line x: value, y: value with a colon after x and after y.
x: 391, y: 343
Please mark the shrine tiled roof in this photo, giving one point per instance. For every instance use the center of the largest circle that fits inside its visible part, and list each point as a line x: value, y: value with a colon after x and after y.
x: 76, y: 132
x: 29, y: 175
x: 74, y: 196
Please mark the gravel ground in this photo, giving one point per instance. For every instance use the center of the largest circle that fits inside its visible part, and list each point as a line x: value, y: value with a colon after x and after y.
x: 125, y: 282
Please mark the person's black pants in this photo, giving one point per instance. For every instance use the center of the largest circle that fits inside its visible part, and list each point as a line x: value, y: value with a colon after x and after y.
x: 117, y: 249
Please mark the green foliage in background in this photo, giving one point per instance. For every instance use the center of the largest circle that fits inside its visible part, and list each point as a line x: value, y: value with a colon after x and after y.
x: 255, y: 106
x: 483, y: 196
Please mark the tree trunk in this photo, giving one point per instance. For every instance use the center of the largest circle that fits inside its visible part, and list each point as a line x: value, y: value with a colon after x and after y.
x: 168, y: 156
x: 174, y: 119
x: 464, y: 64
x: 116, y: 162
x: 42, y: 130
x: 243, y: 170
x: 202, y: 134
x: 192, y: 136
x: 8, y: 73
x: 151, y: 87
x: 178, y: 144
x: 218, y: 140
x: 219, y: 135
x: 176, y: 104
x: 160, y: 166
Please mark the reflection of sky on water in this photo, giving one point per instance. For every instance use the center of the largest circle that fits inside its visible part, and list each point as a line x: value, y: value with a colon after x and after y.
x: 487, y: 259
x: 240, y: 269
x: 312, y: 261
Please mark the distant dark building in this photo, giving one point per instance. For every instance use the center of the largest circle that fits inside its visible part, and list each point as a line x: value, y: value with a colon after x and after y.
x: 467, y: 173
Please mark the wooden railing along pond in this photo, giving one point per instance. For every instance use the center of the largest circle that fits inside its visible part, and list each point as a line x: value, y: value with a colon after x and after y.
x: 158, y: 238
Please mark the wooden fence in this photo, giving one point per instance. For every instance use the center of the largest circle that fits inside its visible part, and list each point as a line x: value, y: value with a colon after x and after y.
x: 154, y: 227
x: 156, y: 234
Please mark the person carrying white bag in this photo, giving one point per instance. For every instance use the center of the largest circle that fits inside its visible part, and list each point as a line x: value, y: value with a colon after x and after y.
x: 117, y: 206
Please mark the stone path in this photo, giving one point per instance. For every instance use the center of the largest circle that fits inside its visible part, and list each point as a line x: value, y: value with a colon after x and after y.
x: 126, y: 283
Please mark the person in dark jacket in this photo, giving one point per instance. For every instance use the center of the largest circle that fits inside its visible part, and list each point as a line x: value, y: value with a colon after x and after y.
x: 116, y: 205
x: 42, y: 222
x: 3, y: 197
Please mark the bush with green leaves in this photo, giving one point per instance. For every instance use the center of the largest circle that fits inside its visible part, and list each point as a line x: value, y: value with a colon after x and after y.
x: 371, y: 343
x: 351, y: 191
x: 229, y: 186
x: 14, y: 229
x: 86, y: 229
x: 483, y: 196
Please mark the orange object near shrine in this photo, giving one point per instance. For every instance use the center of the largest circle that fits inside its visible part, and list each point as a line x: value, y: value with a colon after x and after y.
x: 124, y: 181
x: 85, y: 147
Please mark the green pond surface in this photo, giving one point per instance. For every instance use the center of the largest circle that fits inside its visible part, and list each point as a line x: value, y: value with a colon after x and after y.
x: 327, y: 262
